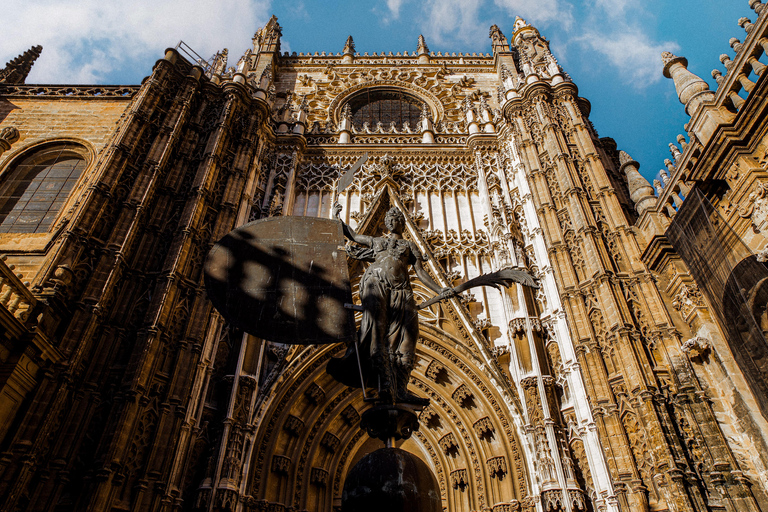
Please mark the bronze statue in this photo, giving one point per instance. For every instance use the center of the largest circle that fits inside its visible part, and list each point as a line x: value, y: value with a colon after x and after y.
x: 389, y: 328
x: 282, y: 279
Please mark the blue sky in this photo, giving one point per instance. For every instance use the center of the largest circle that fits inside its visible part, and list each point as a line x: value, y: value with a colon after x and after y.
x: 611, y: 48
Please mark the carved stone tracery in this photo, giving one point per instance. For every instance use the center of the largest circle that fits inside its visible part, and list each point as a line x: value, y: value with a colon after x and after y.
x: 159, y: 320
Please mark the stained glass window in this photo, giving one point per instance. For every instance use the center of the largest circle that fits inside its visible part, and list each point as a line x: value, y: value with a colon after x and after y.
x: 36, y: 188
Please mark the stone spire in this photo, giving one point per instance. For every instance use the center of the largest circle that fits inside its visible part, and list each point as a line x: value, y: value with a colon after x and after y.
x: 520, y: 23
x: 535, y: 57
x: 16, y: 70
x: 423, y: 50
x: 349, y: 46
x: 422, y: 47
x: 243, y: 64
x: 349, y: 51
x: 264, y: 56
x: 691, y: 89
x: 268, y: 38
x: 499, y: 40
x: 219, y: 63
x: 640, y: 190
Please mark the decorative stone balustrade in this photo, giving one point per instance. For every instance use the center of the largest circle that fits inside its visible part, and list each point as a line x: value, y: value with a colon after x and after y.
x: 735, y: 85
x: 14, y: 295
x: 747, y: 59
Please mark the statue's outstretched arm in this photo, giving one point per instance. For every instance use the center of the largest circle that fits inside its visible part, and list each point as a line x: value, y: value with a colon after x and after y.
x: 425, y: 278
x: 348, y: 231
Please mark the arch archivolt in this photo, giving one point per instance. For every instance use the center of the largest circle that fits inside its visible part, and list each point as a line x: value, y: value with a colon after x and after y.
x: 330, y: 90
x: 355, y: 442
x: 488, y: 403
x: 306, y: 434
x: 25, y: 148
x: 435, y: 105
x: 437, y: 462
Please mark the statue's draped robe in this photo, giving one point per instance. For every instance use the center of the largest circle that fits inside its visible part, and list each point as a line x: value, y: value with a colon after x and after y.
x: 390, y: 325
x: 389, y: 311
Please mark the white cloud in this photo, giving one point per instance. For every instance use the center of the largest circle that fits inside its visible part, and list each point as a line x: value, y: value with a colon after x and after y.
x: 613, y: 29
x: 299, y: 10
x: 96, y: 41
x: 636, y: 56
x: 620, y: 31
x: 539, y: 12
x: 453, y: 21
x: 86, y: 40
x: 616, y: 8
x: 394, y: 7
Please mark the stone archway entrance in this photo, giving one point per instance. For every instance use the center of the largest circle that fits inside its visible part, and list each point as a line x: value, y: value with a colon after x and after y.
x: 304, y: 449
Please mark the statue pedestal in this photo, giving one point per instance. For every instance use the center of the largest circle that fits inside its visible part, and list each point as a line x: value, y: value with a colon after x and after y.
x: 391, y: 422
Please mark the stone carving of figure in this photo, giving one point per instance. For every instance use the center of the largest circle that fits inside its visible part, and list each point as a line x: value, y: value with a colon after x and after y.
x: 389, y: 328
x: 520, y: 254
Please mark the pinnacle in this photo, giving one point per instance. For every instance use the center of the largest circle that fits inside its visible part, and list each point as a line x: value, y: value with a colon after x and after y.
x: 422, y: 47
x: 640, y: 191
x: 349, y: 46
x: 16, y: 70
x: 666, y: 57
x: 669, y: 58
x: 520, y: 23
x: 624, y: 158
x: 425, y: 112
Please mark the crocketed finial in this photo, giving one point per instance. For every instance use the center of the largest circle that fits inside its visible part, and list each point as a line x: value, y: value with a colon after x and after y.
x: 640, y: 190
x: 16, y: 70
x: 422, y: 47
x: 691, y: 89
x: 349, y: 47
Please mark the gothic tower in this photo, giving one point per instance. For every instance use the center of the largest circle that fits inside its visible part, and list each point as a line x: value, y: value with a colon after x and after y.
x: 123, y: 389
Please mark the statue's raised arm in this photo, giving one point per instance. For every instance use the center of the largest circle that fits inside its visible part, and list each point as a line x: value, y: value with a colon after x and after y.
x: 348, y: 231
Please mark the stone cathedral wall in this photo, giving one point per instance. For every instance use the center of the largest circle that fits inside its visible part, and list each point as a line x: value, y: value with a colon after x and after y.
x: 123, y: 389
x: 50, y: 116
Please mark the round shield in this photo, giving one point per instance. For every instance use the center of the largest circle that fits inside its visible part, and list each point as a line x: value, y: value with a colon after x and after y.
x: 284, y: 279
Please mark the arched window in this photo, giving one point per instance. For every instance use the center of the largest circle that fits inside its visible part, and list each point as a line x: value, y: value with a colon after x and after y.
x: 385, y: 107
x: 35, y: 189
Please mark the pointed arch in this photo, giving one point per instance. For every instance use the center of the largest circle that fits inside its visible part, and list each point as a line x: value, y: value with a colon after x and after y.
x: 304, y: 449
x: 37, y: 183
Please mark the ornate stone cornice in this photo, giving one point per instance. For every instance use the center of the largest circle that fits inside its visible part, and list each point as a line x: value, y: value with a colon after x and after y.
x: 483, y: 142
x: 70, y: 91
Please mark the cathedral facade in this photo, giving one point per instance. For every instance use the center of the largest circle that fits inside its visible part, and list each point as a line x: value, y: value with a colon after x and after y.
x: 633, y: 379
